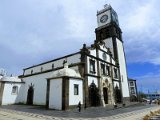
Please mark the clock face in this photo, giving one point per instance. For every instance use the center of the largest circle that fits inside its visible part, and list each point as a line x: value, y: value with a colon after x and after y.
x: 104, y: 18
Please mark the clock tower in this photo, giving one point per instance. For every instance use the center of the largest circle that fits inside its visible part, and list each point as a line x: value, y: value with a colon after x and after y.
x: 108, y: 30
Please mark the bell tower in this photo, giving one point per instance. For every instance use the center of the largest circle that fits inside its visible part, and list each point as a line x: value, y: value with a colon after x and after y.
x: 108, y: 27
x: 108, y: 30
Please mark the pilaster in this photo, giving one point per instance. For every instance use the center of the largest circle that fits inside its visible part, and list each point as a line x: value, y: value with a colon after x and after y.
x: 65, y: 93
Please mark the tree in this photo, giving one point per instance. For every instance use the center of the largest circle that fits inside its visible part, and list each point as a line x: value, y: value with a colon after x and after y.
x: 141, y: 95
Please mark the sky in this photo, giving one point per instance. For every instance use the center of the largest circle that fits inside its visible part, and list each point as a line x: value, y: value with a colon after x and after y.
x: 35, y: 31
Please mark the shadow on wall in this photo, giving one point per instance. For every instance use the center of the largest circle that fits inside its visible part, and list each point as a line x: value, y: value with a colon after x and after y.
x: 20, y: 99
x: 12, y: 93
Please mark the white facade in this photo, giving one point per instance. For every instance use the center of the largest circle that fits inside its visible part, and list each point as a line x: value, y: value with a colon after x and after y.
x: 75, y: 99
x: 123, y: 70
x: 52, y: 64
x: 122, y: 63
x: 39, y: 80
x: 55, y: 94
x: 8, y: 96
x: 109, y: 32
x: 65, y: 89
x: 39, y: 84
x: 12, y: 90
x: 96, y: 75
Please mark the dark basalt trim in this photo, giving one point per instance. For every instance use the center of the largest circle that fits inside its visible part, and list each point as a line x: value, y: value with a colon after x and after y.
x: 107, y: 31
x: 92, y: 75
x: 102, y: 60
x: 109, y: 25
x: 47, y: 94
x: 12, y: 82
x: 115, y: 49
x: 129, y: 79
x: 116, y: 80
x: 1, y: 92
x: 65, y: 77
x: 126, y: 99
x: 65, y: 93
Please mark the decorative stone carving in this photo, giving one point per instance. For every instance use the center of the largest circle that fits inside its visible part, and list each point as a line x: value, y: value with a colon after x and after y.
x: 107, y: 83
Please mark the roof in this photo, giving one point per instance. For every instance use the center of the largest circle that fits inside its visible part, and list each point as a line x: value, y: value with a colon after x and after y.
x: 10, y: 79
x: 130, y: 79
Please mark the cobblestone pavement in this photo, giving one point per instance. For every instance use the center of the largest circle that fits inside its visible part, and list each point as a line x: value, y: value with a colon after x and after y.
x: 155, y: 117
x: 21, y: 112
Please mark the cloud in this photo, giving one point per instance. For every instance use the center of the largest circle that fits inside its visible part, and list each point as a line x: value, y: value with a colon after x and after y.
x: 149, y: 82
x: 39, y: 30
x: 139, y: 18
x: 141, y: 34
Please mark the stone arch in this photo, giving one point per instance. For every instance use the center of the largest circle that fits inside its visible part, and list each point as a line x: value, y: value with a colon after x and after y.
x: 94, y: 97
x: 30, y: 94
x: 118, y: 96
x: 107, y: 91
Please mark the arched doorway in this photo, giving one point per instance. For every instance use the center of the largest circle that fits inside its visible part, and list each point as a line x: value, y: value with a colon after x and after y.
x: 118, y: 96
x: 94, y: 97
x: 105, y: 94
x: 30, y: 95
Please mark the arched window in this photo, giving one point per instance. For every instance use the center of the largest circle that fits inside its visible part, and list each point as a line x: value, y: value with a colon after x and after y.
x: 108, y: 70
x: 15, y: 90
x: 115, y: 73
x: 103, y: 71
x: 92, y: 66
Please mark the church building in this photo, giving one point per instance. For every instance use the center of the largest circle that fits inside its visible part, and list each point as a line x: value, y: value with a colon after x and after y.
x: 95, y: 76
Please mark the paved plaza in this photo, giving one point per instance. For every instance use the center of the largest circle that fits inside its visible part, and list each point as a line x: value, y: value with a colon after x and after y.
x: 23, y: 112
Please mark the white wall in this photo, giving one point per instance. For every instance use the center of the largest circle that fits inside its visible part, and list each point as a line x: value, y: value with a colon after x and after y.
x: 76, y: 68
x: 55, y: 95
x: 58, y: 63
x: 123, y: 71
x: 20, y: 97
x: 101, y: 56
x: 8, y: 96
x: 109, y: 44
x: 40, y: 85
x: 93, y: 52
x: 74, y: 99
